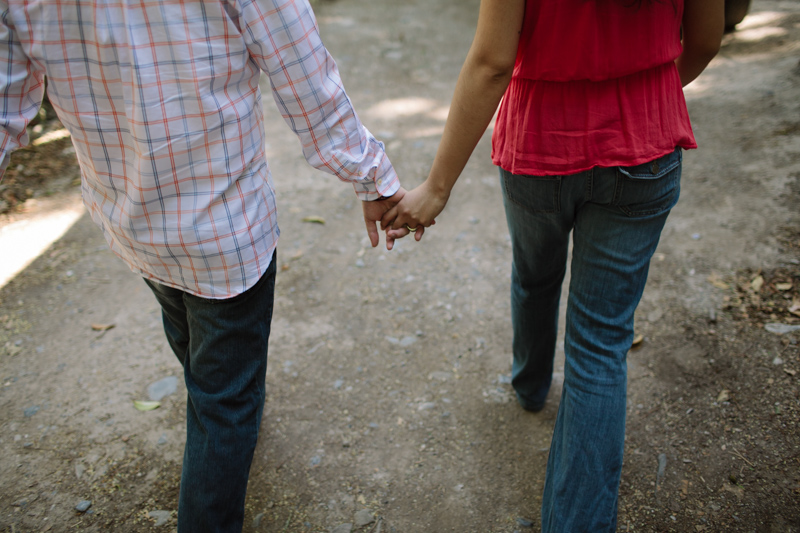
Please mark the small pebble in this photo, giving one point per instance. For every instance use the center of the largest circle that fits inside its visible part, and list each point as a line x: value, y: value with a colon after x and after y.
x: 662, y: 466
x: 83, y: 506
x: 344, y: 528
x: 364, y: 517
x: 524, y: 522
x: 162, y: 388
x: 781, y: 329
x: 162, y: 517
x: 257, y: 520
x: 407, y: 341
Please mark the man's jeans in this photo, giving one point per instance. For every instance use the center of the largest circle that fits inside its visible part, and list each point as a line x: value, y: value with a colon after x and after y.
x: 616, y: 216
x: 222, y: 345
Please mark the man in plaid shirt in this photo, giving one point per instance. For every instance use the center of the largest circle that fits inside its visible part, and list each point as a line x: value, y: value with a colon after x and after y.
x: 162, y: 100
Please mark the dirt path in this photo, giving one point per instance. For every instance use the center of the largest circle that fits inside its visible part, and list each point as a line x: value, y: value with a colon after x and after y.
x: 387, y: 377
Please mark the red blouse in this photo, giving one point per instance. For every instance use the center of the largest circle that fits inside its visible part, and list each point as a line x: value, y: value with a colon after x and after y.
x: 595, y: 84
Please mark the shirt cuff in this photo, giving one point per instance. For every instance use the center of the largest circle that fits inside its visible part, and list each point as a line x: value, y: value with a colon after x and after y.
x: 385, y: 183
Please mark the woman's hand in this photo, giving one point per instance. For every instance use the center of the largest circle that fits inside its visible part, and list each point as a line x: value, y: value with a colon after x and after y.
x: 417, y: 211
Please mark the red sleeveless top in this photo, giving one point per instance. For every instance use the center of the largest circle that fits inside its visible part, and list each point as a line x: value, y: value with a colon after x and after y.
x: 595, y: 84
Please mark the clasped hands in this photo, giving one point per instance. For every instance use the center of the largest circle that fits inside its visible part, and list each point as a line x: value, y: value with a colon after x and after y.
x: 405, y: 212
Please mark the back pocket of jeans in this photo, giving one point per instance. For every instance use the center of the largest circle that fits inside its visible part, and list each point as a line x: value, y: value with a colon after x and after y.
x: 649, y: 188
x: 535, y: 194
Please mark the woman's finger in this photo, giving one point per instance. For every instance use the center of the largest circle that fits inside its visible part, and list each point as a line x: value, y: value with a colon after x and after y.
x: 397, y: 233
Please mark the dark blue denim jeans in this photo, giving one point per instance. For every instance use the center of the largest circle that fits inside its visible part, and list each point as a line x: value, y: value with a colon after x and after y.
x: 615, y: 216
x: 222, y: 345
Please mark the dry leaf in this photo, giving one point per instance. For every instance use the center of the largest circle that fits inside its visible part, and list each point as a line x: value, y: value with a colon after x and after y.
x: 146, y: 406
x: 757, y: 283
x: 284, y: 268
x: 783, y: 286
x: 790, y: 371
x: 314, y: 219
x: 795, y: 308
x: 718, y: 283
x: 102, y: 327
x: 297, y: 255
x: 724, y: 396
x: 637, y: 340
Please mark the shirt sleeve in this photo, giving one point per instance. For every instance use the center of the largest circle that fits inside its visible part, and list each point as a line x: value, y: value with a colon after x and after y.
x: 283, y: 39
x: 21, y: 90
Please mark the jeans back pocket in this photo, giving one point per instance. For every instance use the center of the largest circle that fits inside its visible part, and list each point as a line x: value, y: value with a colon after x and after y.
x: 650, y: 188
x: 535, y: 194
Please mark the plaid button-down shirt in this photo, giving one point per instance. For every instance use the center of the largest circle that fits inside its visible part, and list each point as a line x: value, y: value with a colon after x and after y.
x: 161, y: 98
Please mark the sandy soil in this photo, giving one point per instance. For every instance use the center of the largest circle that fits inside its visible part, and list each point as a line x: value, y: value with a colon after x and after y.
x: 388, y: 399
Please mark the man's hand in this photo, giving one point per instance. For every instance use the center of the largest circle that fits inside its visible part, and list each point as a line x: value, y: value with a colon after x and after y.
x: 374, y: 211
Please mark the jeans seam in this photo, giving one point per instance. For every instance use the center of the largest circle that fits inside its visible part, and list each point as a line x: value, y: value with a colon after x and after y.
x: 589, y: 185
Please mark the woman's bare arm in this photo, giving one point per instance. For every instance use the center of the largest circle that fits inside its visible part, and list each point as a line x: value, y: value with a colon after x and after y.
x: 481, y: 84
x: 703, y: 25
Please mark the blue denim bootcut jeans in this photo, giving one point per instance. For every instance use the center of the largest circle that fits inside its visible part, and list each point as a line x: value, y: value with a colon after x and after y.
x: 615, y: 216
x: 222, y: 345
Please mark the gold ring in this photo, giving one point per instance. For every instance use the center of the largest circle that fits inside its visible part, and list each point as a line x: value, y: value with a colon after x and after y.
x: 412, y: 230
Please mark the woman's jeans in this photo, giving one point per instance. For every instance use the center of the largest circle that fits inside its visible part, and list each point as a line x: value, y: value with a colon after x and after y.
x: 222, y: 345
x: 616, y: 216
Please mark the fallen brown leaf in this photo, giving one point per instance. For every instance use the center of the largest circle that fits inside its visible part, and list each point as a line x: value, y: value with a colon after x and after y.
x: 102, y: 327
x: 718, y: 283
